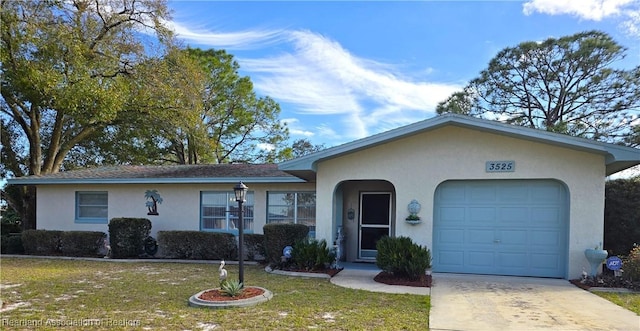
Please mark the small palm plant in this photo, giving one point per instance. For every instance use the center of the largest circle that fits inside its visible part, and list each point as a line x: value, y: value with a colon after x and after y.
x: 232, y: 288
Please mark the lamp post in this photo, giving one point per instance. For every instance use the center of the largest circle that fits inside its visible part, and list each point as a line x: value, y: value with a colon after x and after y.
x: 240, y: 190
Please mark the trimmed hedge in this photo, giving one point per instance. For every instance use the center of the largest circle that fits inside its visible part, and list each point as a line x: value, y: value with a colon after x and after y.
x: 277, y: 236
x: 82, y: 243
x: 254, y: 246
x: 42, y: 242
x: 11, y: 244
x: 67, y: 243
x: 127, y: 236
x: 196, y: 245
x: 402, y: 257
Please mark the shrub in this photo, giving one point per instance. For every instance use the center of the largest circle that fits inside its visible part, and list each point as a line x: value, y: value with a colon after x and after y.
x: 127, y: 235
x: 312, y: 254
x: 42, y: 242
x: 631, y: 264
x: 82, y: 243
x: 232, y: 288
x: 254, y: 246
x: 11, y: 244
x: 402, y: 257
x: 197, y: 245
x: 7, y: 228
x: 277, y: 236
x: 621, y: 215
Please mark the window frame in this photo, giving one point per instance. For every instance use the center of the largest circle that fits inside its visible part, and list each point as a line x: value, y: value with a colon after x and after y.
x: 91, y: 220
x: 296, y: 206
x: 230, y: 208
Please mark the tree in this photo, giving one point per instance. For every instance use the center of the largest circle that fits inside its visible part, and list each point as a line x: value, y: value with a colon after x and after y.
x: 622, y: 215
x: 238, y: 126
x: 302, y: 147
x: 70, y: 69
x: 566, y: 85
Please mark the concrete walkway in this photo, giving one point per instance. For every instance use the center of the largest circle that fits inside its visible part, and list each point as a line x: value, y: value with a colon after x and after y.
x: 477, y: 302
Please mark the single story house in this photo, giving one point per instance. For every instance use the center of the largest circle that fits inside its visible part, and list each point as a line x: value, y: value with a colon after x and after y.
x: 491, y: 198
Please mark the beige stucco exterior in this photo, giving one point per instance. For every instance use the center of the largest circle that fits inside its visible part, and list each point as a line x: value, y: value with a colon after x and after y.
x: 180, y: 209
x: 409, y: 163
x: 412, y: 168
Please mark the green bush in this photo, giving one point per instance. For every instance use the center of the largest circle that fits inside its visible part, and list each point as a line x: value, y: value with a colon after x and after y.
x: 42, y: 242
x: 197, y: 245
x: 402, y: 257
x: 11, y: 244
x: 631, y: 264
x: 277, y: 236
x: 7, y: 228
x: 127, y: 235
x: 254, y: 246
x: 621, y: 215
x: 82, y: 243
x: 312, y: 255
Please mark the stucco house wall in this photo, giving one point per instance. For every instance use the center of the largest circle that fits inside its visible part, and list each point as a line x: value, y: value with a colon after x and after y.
x: 416, y: 165
x: 180, y: 209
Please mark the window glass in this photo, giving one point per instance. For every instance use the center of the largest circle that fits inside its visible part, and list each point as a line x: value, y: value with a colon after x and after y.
x: 92, y: 207
x: 292, y: 207
x: 219, y: 211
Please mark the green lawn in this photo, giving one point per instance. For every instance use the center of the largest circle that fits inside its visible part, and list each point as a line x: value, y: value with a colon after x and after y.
x: 629, y: 301
x: 153, y: 296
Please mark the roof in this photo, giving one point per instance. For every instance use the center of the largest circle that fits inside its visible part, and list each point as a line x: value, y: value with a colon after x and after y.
x: 165, y: 174
x: 617, y: 158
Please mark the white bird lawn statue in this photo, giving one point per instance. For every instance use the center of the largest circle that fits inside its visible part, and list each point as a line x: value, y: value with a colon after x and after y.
x: 223, y: 272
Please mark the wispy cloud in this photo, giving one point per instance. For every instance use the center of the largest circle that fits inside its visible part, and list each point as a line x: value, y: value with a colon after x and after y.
x: 626, y: 11
x: 312, y: 74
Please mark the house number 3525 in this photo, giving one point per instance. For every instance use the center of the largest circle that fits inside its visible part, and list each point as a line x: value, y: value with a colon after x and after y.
x: 500, y: 166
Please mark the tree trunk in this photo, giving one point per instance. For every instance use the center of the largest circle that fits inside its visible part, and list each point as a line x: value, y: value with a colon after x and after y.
x: 28, y: 212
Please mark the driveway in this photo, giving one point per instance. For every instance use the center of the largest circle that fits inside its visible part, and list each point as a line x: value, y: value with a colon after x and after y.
x: 477, y: 302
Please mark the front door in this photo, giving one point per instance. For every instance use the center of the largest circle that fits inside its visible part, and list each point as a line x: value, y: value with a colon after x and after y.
x: 375, y: 217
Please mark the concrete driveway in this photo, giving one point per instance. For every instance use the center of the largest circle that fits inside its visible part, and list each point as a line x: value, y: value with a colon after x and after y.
x: 477, y: 302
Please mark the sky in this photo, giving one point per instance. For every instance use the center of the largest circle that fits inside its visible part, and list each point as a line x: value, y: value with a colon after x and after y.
x: 342, y: 70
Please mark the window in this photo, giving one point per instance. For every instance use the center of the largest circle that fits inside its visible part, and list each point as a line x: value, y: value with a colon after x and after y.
x: 92, y: 207
x: 219, y: 212
x: 293, y: 207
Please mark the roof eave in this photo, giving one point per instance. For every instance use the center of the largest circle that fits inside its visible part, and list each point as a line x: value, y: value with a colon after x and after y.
x: 208, y: 180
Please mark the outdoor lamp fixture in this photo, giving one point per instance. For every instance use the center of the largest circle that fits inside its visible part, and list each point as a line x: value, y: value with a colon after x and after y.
x: 240, y: 190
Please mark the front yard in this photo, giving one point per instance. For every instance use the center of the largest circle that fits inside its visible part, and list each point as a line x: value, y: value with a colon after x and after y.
x: 50, y: 293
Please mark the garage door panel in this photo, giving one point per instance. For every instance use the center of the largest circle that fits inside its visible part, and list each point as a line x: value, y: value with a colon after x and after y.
x: 511, y: 227
x: 549, y: 240
x: 513, y: 215
x: 481, y: 194
x: 513, y: 237
x: 451, y: 215
x: 513, y: 260
x: 481, y: 236
x: 451, y: 258
x: 546, y: 216
x: 481, y: 259
x: 481, y: 216
x: 546, y: 194
x: 450, y: 236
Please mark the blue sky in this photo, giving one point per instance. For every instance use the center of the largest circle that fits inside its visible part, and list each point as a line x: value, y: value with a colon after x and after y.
x: 346, y: 70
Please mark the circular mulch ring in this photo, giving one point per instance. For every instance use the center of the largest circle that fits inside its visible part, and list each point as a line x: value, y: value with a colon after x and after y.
x: 214, y: 298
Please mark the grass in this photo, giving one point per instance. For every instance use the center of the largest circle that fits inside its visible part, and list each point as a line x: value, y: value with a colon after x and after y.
x: 153, y: 296
x: 630, y: 301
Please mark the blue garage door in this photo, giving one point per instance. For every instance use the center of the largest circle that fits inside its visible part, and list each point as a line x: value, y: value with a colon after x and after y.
x: 501, y: 227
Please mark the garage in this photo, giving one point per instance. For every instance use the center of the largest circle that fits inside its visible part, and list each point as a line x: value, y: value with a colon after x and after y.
x: 501, y: 227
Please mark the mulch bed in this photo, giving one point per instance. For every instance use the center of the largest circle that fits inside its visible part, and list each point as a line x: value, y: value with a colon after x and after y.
x: 217, y: 295
x: 608, y: 281
x: 391, y: 279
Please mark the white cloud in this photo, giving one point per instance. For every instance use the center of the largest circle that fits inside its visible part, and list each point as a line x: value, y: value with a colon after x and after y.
x: 627, y: 11
x: 315, y: 75
x: 241, y: 40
